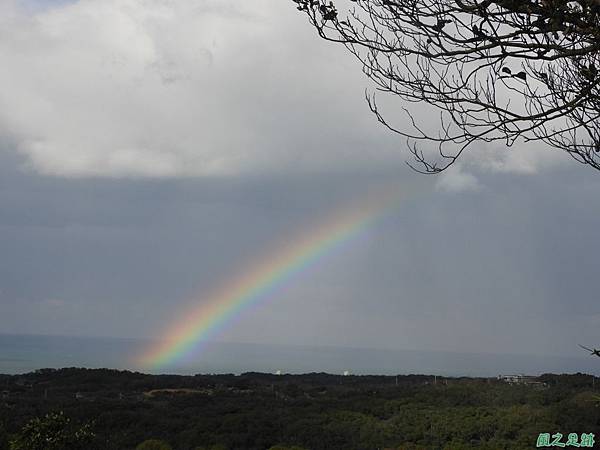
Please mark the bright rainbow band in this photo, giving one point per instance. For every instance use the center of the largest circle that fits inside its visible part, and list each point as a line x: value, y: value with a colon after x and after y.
x: 257, y: 283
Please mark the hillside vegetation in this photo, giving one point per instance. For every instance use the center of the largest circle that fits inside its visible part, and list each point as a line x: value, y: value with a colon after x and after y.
x: 120, y: 410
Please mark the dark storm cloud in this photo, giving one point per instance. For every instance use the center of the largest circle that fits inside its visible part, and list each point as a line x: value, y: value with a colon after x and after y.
x: 498, y: 269
x: 192, y: 182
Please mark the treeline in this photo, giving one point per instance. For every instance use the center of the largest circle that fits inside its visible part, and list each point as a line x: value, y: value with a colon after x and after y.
x: 121, y: 410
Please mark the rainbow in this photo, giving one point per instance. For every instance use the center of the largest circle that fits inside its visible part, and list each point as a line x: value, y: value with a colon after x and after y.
x: 257, y: 283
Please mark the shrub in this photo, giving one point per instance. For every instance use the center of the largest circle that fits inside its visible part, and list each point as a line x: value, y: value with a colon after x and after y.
x: 153, y: 444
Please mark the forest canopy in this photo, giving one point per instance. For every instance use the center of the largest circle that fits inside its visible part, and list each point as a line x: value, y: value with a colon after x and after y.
x: 113, y: 410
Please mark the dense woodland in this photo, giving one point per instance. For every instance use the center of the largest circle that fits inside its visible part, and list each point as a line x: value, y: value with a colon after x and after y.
x: 108, y: 409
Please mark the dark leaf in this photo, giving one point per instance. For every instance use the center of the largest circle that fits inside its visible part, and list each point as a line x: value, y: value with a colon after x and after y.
x: 521, y: 75
x: 477, y: 31
x: 330, y: 15
x: 441, y: 24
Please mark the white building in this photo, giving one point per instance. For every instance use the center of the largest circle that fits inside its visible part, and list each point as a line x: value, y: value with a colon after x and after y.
x: 520, y: 379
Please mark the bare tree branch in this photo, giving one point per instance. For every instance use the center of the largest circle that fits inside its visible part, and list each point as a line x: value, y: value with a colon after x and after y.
x: 497, y: 70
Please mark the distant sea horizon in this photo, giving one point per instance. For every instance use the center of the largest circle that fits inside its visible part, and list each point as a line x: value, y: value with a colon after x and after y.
x: 23, y: 353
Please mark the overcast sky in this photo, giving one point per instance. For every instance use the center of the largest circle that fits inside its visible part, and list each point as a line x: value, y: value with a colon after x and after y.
x: 152, y: 149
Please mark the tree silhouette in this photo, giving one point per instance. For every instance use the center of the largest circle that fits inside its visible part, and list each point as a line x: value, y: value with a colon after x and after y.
x: 593, y: 351
x: 494, y: 70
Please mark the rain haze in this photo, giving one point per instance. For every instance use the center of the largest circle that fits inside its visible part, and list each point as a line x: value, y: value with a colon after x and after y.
x: 152, y: 151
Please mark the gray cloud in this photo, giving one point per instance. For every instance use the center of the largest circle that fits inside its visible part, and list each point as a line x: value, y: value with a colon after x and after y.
x: 163, y: 89
x: 498, y: 269
x: 141, y: 168
x: 167, y: 89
